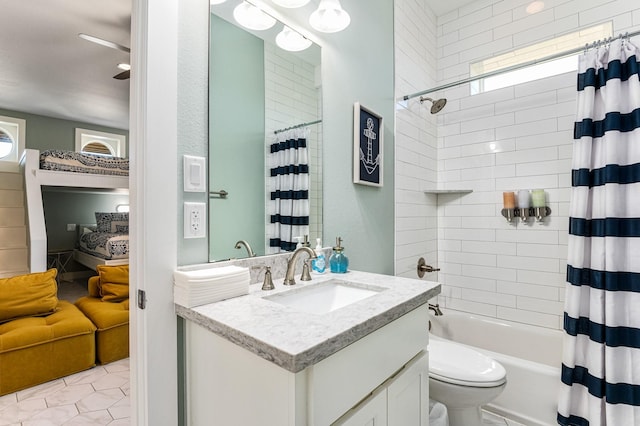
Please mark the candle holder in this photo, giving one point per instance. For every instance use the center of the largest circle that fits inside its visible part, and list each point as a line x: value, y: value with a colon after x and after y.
x: 538, y: 212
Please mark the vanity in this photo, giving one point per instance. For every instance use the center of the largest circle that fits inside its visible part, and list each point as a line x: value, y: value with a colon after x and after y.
x: 343, y: 349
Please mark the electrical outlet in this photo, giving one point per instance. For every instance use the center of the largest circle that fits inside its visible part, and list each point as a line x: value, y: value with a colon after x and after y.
x: 71, y: 227
x: 195, y: 220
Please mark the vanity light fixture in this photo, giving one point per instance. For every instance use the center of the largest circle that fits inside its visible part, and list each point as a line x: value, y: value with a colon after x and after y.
x: 290, y: 4
x: 329, y: 17
x: 251, y: 17
x: 291, y: 40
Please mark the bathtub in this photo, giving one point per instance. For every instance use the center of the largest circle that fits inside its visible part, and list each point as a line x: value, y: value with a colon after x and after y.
x: 531, y: 355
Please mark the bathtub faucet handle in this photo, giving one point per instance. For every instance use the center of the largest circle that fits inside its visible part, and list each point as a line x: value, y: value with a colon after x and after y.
x: 423, y: 267
x: 436, y: 310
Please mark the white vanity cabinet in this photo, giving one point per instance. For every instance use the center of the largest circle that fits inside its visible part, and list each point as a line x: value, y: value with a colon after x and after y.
x: 403, y: 400
x: 380, y: 379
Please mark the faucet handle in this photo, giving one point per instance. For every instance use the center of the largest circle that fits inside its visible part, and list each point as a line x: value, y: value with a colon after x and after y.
x: 306, y: 276
x: 268, y: 282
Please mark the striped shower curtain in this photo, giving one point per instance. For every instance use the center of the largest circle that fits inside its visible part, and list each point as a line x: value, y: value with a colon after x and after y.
x: 601, y: 358
x: 288, y: 212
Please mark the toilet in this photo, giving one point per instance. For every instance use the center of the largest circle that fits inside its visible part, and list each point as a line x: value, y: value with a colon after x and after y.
x: 463, y: 379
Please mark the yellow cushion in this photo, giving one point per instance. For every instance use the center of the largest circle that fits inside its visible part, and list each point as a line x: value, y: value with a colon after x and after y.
x: 28, y: 295
x: 112, y: 321
x: 93, y: 286
x: 114, y: 282
x: 36, y: 350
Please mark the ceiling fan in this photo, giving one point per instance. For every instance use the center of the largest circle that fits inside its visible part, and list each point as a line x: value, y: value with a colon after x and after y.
x: 124, y: 75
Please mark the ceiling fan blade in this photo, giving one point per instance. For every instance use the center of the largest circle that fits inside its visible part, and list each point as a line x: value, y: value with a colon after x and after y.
x: 104, y: 42
x: 123, y: 75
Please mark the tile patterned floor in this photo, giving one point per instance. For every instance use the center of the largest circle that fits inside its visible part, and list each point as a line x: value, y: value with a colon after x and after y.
x: 99, y: 396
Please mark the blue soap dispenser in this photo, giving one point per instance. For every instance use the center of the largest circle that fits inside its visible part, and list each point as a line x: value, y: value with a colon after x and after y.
x: 319, y: 264
x: 338, y: 262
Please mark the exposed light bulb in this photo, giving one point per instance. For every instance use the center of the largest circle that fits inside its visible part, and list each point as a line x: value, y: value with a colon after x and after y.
x: 329, y: 17
x: 252, y: 18
x: 535, y: 7
x: 291, y: 40
x: 290, y: 3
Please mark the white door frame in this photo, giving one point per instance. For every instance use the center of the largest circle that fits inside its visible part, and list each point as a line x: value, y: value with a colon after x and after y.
x: 153, y: 199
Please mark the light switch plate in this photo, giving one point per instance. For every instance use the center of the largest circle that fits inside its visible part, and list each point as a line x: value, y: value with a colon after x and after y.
x: 195, y: 221
x: 194, y: 170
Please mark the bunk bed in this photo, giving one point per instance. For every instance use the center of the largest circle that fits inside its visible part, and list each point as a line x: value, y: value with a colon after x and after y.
x: 70, y: 170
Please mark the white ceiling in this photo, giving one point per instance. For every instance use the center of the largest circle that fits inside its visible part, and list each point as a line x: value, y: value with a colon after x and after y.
x: 47, y: 69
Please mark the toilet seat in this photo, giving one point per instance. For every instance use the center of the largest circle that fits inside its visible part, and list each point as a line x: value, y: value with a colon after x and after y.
x: 463, y: 366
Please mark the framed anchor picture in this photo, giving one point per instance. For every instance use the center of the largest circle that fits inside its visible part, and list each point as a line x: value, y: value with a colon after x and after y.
x: 367, y: 146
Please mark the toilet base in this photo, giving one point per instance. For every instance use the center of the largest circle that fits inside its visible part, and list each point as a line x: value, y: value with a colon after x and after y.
x: 463, y: 403
x: 471, y: 416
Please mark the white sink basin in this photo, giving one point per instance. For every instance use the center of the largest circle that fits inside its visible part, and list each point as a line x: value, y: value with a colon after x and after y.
x: 324, y: 297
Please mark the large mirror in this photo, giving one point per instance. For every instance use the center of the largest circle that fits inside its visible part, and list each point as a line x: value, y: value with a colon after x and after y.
x: 257, y: 90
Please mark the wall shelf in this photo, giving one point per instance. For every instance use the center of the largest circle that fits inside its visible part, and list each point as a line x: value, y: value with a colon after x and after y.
x: 449, y: 191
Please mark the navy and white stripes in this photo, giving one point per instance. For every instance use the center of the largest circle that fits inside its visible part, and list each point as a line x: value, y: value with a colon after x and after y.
x: 601, y: 359
x: 288, y: 190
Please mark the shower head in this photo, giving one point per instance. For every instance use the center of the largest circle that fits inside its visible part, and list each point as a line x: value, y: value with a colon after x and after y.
x: 436, y: 105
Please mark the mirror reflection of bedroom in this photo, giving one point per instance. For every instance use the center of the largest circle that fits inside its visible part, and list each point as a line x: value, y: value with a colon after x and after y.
x: 64, y: 206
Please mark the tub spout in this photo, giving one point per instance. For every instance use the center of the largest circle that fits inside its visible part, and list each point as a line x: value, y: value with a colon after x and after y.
x: 436, y: 309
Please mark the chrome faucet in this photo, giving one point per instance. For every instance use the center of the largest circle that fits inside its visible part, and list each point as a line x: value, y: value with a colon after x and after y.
x: 291, y: 264
x: 247, y: 246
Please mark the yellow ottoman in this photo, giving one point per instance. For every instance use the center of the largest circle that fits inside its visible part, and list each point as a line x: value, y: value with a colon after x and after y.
x: 34, y: 350
x: 112, y: 321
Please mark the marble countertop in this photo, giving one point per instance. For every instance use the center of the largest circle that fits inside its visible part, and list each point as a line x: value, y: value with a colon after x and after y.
x: 295, y: 340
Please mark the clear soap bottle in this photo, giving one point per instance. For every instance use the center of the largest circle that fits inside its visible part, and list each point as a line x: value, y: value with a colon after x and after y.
x: 338, y: 262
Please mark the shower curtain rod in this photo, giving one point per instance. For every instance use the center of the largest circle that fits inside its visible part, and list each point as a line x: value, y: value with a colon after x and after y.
x: 297, y: 126
x: 519, y: 66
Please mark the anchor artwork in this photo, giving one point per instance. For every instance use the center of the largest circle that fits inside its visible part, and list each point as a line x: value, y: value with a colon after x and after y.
x: 367, y: 154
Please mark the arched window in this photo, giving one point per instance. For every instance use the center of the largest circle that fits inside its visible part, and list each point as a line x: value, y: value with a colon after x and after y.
x: 100, y: 143
x: 12, y: 131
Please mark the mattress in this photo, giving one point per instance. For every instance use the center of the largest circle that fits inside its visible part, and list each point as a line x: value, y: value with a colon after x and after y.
x: 105, y: 245
x: 69, y: 161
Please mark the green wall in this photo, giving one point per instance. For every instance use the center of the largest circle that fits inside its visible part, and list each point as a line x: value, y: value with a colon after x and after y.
x: 54, y: 133
x: 79, y: 207
x: 357, y: 66
x: 237, y: 140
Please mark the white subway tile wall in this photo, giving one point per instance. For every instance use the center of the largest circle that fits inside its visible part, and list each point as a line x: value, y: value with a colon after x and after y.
x: 509, y: 139
x: 287, y: 107
x: 415, y: 139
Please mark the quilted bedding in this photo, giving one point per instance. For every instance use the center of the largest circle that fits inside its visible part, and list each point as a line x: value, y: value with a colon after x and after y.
x: 70, y: 161
x: 106, y: 245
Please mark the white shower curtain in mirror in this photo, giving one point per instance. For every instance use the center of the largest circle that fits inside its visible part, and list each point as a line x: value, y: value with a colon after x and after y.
x: 601, y: 358
x: 288, y: 190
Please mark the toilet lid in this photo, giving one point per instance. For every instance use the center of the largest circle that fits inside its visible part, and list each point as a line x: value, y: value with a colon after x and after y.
x: 455, y: 363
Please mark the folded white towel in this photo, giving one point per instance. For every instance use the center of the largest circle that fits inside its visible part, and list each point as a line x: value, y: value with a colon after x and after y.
x: 203, y: 274
x: 195, y: 288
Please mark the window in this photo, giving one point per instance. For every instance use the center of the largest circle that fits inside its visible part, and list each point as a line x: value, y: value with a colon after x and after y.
x: 12, y: 140
x: 533, y: 53
x: 100, y: 143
